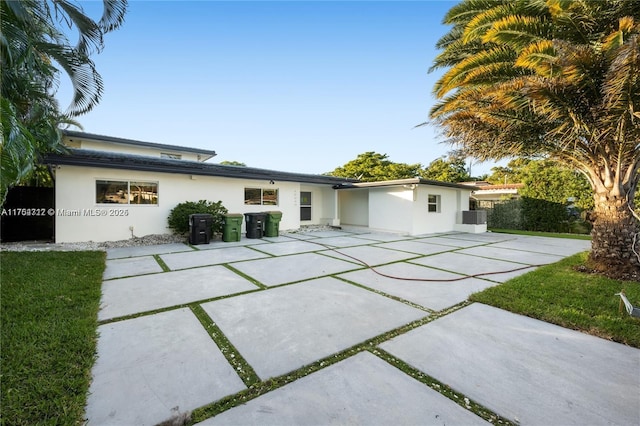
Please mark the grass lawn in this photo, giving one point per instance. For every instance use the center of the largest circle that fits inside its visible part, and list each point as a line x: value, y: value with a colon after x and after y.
x: 49, y: 303
x: 558, y: 294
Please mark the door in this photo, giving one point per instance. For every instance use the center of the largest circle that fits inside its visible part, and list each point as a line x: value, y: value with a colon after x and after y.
x: 305, y: 205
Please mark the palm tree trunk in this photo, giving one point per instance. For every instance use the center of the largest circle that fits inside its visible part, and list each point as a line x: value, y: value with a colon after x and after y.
x: 615, y: 238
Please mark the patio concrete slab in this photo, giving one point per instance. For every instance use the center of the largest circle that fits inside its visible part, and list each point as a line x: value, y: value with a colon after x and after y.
x: 218, y: 244
x: 417, y: 247
x: 350, y: 241
x: 286, y: 269
x: 510, y: 255
x: 133, y: 295
x: 485, y: 238
x: 432, y: 295
x: 448, y: 241
x: 290, y: 247
x: 120, y: 252
x: 361, y: 390
x: 151, y: 367
x: 209, y: 257
x: 283, y: 329
x: 383, y: 237
x: 471, y: 265
x: 325, y: 234
x: 543, y: 245
x: 130, y: 266
x: 527, y: 370
x: 371, y: 255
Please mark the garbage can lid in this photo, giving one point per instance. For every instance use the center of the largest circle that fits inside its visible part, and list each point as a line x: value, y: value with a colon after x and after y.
x: 233, y: 215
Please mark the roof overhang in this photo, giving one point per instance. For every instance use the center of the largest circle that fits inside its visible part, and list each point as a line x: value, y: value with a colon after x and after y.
x: 404, y: 183
x: 205, y: 154
x: 114, y: 160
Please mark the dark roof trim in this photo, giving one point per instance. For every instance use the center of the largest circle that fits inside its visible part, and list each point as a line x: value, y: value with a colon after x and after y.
x: 115, y: 160
x: 102, y: 138
x: 402, y: 182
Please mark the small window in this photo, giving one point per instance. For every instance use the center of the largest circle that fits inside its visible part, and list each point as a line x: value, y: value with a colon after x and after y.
x: 433, y: 203
x: 112, y: 192
x: 143, y: 193
x: 125, y: 192
x: 170, y: 156
x: 258, y: 196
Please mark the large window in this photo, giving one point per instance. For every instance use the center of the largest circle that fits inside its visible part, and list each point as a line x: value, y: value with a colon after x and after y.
x: 433, y: 203
x: 259, y: 196
x: 126, y: 192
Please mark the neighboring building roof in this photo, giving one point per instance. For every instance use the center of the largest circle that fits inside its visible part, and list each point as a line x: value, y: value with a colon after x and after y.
x: 402, y: 182
x: 101, y: 138
x: 116, y: 160
x: 504, y: 188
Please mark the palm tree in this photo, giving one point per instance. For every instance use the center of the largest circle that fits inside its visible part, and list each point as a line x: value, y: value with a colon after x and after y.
x: 34, y: 47
x: 558, y: 79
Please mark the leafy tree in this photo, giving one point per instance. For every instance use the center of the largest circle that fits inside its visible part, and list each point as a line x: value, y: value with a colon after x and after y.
x: 556, y: 78
x: 371, y: 167
x: 35, y: 51
x: 447, y: 169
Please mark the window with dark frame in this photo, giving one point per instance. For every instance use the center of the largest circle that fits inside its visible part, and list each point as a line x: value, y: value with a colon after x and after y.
x: 305, y: 205
x: 259, y: 196
x: 126, y: 192
x: 433, y: 203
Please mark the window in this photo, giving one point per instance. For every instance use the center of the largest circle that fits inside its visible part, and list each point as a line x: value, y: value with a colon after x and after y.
x: 305, y: 205
x: 258, y: 196
x: 126, y: 192
x: 433, y: 203
x: 170, y: 156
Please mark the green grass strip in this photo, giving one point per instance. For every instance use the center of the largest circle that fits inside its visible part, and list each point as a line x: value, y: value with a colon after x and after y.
x: 443, y: 389
x: 233, y: 356
x: 561, y: 295
x: 49, y: 305
x: 163, y: 265
x: 542, y: 234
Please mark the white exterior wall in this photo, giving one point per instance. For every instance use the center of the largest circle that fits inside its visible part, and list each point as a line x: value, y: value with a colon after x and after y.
x: 391, y: 209
x: 354, y: 207
x: 76, y: 192
x: 403, y: 209
x: 130, y: 149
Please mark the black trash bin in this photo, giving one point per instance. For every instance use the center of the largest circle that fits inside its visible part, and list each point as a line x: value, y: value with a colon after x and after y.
x: 200, y: 228
x: 255, y: 224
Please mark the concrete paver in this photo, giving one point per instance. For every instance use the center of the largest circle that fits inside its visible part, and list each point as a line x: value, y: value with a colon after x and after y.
x: 471, y: 265
x: 148, y: 366
x: 120, y: 252
x: 133, y: 295
x: 527, y: 370
x: 209, y: 257
x: 130, y: 266
x: 416, y: 247
x: 289, y: 247
x: 520, y: 256
x: 283, y: 329
x: 155, y: 365
x: 371, y: 255
x: 361, y: 390
x: 432, y: 295
x: 286, y: 269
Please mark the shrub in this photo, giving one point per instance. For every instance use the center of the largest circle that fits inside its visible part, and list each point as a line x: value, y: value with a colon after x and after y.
x: 179, y: 216
x: 505, y: 215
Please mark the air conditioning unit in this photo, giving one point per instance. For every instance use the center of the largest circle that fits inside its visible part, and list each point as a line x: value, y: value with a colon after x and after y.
x: 474, y: 217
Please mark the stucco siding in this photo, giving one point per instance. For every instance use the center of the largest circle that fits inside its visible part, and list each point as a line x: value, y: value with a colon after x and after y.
x: 131, y: 149
x: 354, y: 207
x: 392, y: 209
x: 76, y: 193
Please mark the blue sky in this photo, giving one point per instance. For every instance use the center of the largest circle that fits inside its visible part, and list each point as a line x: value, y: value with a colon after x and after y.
x: 300, y: 86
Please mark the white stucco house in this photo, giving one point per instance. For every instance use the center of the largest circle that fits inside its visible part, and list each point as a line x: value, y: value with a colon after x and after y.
x: 109, y: 188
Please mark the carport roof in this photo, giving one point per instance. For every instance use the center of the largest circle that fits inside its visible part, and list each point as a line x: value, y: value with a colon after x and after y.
x: 402, y: 182
x: 115, y: 160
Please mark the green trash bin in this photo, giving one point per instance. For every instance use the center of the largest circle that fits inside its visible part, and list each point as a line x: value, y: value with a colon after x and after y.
x: 272, y: 224
x: 231, y: 227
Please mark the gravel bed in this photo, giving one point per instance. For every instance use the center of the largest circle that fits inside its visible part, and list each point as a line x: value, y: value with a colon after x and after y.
x: 147, y: 240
